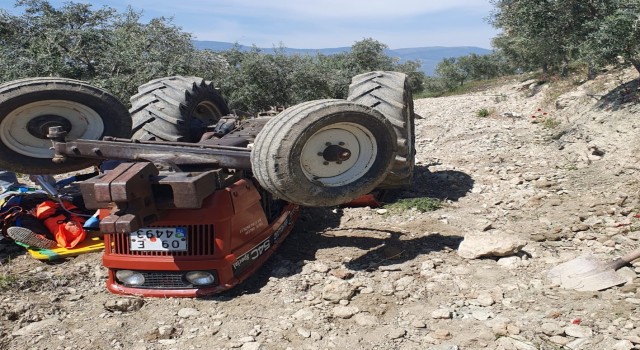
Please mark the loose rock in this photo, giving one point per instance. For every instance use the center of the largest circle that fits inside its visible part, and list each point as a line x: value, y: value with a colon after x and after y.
x: 345, y: 311
x: 37, y: 327
x: 577, y: 331
x: 338, y: 290
x: 124, y: 304
x: 365, y: 319
x: 482, y: 244
x: 188, y: 312
x: 441, y: 313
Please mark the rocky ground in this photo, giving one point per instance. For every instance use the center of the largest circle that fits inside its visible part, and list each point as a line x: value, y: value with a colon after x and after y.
x: 553, y: 171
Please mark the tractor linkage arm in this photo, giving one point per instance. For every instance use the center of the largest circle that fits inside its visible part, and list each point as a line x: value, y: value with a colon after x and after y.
x: 175, y: 154
x: 136, y: 191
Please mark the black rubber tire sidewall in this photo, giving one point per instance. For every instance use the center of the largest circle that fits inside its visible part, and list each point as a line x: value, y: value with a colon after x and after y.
x: 280, y: 171
x: 114, y: 115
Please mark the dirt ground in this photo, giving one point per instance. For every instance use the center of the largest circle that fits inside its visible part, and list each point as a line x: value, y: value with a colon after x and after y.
x: 553, y: 164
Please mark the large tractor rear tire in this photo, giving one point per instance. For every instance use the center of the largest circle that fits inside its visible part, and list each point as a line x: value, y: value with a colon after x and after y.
x: 389, y: 93
x: 28, y: 107
x: 324, y: 152
x: 175, y: 109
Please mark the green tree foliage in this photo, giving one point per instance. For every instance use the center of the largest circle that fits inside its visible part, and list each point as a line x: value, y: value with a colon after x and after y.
x: 112, y: 50
x: 136, y: 52
x: 368, y: 55
x: 617, y: 34
x: 452, y: 73
x: 365, y: 56
x: 46, y: 42
x: 118, y: 52
x: 552, y: 34
x: 543, y: 33
x: 484, y: 67
x: 256, y: 79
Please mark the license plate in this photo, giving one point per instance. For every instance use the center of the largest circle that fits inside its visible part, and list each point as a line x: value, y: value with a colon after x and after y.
x: 167, y: 239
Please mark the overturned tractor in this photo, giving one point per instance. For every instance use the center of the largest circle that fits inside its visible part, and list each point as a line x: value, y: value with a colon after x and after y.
x: 196, y: 198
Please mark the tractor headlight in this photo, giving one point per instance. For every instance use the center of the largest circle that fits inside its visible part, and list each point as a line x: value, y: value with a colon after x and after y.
x: 130, y: 278
x: 200, y: 278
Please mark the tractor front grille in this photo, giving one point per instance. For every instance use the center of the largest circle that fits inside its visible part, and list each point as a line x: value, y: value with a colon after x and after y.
x: 164, y: 280
x: 200, y: 242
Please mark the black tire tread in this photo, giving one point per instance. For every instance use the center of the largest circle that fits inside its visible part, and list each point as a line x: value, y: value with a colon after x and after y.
x: 160, y: 109
x: 389, y: 93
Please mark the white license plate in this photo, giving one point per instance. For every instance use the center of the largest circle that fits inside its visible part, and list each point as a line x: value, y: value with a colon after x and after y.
x: 173, y: 239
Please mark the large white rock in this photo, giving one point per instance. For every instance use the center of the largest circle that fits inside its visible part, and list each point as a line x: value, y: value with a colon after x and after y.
x: 577, y: 331
x: 338, y: 290
x: 491, y: 243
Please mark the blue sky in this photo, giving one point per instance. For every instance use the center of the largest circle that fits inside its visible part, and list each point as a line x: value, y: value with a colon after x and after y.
x: 320, y: 23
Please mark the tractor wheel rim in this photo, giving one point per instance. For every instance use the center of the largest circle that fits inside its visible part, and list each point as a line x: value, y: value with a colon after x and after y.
x: 356, y: 152
x: 207, y: 113
x: 24, y: 129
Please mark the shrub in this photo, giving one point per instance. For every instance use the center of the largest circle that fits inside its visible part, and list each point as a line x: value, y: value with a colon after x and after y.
x: 551, y: 123
x: 483, y: 113
x: 423, y: 204
x: 6, y: 281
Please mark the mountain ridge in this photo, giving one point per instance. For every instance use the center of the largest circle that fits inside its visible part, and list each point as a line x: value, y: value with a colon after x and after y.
x: 428, y: 56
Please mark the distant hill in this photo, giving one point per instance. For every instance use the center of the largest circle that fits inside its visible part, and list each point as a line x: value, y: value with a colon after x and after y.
x: 428, y: 56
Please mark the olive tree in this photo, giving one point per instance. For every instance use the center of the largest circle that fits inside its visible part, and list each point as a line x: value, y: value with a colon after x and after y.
x: 451, y: 74
x: 45, y: 41
x: 118, y: 52
x: 109, y: 49
x: 483, y: 67
x: 366, y: 55
x: 617, y: 34
x: 547, y: 34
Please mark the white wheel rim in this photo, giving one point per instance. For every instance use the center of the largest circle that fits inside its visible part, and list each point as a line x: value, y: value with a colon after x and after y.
x: 359, y: 141
x: 14, y: 132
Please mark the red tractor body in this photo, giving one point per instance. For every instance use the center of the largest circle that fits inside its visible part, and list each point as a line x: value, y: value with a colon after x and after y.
x: 228, y: 238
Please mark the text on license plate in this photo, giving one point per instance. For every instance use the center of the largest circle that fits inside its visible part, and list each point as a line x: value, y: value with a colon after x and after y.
x: 159, y: 239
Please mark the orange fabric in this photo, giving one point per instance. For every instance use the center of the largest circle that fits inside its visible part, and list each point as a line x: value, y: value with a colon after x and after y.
x: 70, y: 234
x: 68, y: 231
x: 46, y: 209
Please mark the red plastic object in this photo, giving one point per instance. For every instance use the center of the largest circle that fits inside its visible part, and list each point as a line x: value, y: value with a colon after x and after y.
x: 372, y: 200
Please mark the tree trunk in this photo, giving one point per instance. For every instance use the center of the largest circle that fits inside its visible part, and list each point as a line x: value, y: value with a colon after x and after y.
x: 591, y: 71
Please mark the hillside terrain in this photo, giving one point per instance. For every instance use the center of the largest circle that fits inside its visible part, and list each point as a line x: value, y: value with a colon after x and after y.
x: 552, y: 166
x: 429, y: 57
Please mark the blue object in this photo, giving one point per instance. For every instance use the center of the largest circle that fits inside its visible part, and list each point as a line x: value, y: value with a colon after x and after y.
x: 92, y: 223
x: 62, y: 183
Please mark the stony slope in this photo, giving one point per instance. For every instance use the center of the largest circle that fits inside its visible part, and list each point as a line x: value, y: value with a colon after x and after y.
x: 362, y: 278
